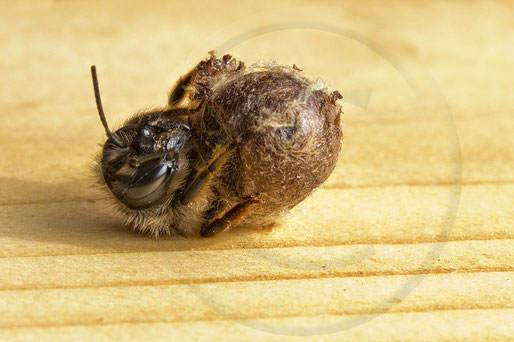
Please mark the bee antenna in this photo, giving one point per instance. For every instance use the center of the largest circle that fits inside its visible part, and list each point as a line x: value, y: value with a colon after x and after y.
x: 110, y: 134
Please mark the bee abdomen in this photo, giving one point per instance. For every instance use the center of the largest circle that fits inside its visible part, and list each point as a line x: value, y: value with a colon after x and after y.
x: 288, y: 133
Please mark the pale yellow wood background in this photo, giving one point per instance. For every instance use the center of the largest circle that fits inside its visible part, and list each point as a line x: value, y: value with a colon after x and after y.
x: 373, y: 255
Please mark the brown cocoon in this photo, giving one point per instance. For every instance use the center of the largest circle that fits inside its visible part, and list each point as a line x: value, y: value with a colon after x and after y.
x: 287, y: 129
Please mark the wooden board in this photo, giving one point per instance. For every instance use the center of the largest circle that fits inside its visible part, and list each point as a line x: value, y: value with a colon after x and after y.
x: 412, y: 237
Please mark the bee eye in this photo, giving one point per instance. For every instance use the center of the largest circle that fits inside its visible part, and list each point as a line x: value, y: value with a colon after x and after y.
x: 147, y: 132
x: 147, y: 181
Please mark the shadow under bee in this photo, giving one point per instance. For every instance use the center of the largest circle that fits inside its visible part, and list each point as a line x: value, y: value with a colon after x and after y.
x: 66, y: 213
x: 71, y: 215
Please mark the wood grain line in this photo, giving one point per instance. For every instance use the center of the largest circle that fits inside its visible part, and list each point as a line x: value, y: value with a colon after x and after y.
x: 206, y: 319
x: 269, y: 245
x: 263, y: 278
x: 449, y: 325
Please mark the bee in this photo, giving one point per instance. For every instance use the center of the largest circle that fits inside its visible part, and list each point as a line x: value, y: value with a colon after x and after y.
x: 234, y: 146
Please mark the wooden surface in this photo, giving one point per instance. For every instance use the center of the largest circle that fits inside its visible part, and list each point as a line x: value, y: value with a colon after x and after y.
x: 391, y: 248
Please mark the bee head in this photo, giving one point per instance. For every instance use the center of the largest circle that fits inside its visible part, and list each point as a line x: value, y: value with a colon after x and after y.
x: 140, y: 159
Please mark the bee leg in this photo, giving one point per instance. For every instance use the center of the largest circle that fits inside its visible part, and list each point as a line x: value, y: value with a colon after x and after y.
x: 216, y: 209
x: 224, y: 220
x: 179, y: 90
x: 203, y: 177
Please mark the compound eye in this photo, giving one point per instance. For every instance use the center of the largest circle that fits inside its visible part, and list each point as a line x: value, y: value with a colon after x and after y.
x: 147, y: 182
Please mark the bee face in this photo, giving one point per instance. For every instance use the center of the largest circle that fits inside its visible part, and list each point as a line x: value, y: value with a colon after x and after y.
x: 139, y: 166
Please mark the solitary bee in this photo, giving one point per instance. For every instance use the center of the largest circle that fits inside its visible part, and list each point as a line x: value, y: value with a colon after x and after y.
x: 235, y: 145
